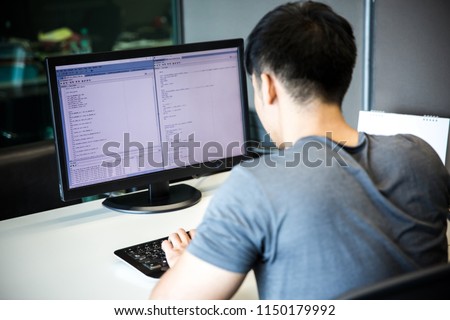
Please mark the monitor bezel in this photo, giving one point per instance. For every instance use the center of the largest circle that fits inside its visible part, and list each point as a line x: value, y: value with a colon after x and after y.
x: 144, y: 180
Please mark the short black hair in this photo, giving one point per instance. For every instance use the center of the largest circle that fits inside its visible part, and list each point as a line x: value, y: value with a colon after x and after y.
x: 308, y: 46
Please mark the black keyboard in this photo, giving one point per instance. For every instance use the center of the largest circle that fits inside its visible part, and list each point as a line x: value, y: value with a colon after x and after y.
x: 147, y: 257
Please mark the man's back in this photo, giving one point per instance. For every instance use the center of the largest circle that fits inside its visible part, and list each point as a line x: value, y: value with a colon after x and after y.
x: 320, y: 219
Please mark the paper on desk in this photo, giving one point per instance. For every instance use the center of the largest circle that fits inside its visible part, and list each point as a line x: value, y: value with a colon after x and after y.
x: 432, y: 129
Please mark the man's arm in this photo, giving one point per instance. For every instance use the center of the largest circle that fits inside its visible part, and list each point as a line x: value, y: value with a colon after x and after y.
x: 193, y: 278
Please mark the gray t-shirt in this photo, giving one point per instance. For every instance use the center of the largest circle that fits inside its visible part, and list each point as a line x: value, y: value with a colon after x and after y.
x: 319, y: 219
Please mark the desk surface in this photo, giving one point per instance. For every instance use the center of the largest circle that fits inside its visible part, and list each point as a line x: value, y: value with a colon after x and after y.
x: 67, y: 253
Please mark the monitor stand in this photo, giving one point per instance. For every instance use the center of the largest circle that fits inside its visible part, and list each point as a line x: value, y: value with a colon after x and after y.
x: 160, y: 197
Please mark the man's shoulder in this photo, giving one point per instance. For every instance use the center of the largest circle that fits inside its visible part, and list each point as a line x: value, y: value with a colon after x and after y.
x: 397, y: 138
x: 405, y: 148
x: 400, y: 142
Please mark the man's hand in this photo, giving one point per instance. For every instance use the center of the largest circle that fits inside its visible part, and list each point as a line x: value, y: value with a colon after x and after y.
x: 176, y: 245
x: 190, y: 277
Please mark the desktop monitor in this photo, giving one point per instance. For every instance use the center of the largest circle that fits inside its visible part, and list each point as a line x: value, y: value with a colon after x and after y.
x: 148, y: 117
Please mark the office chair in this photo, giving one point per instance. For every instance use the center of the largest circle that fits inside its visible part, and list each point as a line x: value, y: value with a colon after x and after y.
x: 428, y: 284
x: 29, y: 179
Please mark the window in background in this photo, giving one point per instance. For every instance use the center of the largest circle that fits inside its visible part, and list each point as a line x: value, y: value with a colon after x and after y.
x: 31, y: 30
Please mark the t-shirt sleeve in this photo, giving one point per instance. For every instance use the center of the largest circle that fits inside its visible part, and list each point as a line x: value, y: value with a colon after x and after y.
x: 231, y: 235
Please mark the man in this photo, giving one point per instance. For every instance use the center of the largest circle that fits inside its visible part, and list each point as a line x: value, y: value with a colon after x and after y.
x: 336, y: 209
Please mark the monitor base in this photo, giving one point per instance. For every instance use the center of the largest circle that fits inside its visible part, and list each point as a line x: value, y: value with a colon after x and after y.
x: 159, y: 198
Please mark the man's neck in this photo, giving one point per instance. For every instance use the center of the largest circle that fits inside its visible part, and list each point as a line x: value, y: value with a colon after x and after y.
x: 317, y: 119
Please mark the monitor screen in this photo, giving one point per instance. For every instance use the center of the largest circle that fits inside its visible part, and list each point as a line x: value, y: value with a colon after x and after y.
x: 149, y: 117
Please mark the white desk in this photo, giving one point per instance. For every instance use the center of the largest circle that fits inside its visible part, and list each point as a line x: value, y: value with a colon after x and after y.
x: 67, y: 253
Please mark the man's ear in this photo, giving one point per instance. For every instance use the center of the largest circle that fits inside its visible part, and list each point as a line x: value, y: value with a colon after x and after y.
x: 268, y: 89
